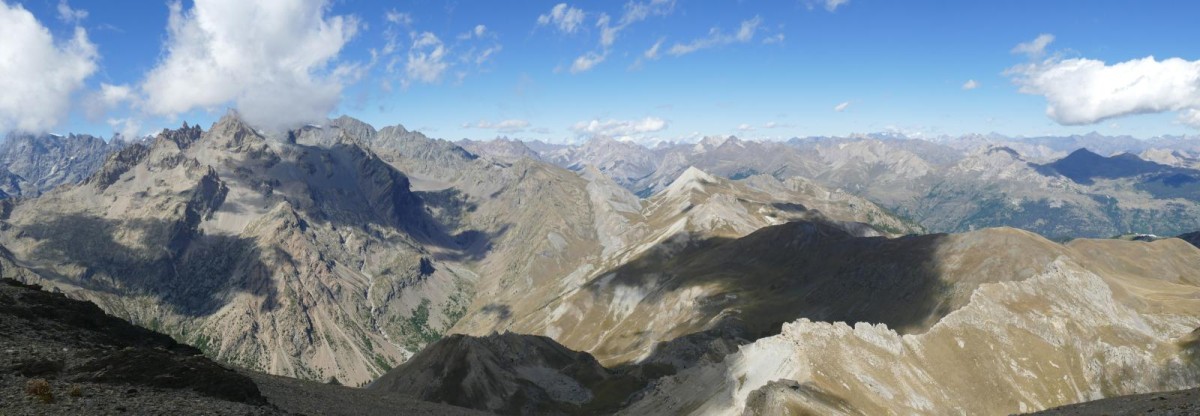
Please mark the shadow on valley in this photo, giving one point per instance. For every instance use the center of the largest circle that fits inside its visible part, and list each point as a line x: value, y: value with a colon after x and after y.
x: 779, y: 274
x: 192, y: 273
x: 346, y: 185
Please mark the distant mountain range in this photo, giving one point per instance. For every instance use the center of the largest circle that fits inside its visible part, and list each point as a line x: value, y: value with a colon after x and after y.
x: 1045, y: 185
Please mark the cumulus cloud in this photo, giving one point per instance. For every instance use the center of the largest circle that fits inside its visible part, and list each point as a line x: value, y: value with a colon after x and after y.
x: 275, y: 61
x: 38, y: 74
x: 1086, y: 91
x: 128, y: 127
x: 841, y: 107
x: 970, y: 85
x: 619, y: 129
x: 716, y: 37
x: 69, y: 15
x: 564, y: 17
x: 506, y: 126
x: 109, y: 96
x: 1034, y: 48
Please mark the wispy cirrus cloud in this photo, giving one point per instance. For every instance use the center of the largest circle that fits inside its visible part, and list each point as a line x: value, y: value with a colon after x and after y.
x: 716, y: 37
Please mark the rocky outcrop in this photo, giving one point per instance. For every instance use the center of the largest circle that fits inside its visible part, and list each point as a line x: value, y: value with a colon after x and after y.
x: 509, y: 374
x: 50, y: 336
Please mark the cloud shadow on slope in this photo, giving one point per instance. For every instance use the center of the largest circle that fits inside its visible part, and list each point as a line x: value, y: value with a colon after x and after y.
x: 191, y: 273
x: 346, y: 185
x: 783, y: 273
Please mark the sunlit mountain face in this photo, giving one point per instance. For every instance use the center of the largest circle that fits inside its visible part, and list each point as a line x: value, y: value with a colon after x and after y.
x: 643, y: 207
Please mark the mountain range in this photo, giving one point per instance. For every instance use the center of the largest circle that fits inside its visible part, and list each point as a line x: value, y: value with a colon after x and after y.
x: 855, y: 275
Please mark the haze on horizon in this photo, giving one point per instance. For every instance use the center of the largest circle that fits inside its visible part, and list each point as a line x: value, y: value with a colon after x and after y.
x: 642, y: 70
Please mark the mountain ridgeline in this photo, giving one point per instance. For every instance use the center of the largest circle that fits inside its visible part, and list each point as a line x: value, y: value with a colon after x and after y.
x: 859, y: 275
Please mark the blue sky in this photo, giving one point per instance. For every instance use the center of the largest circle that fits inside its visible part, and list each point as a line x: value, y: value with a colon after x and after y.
x: 479, y: 69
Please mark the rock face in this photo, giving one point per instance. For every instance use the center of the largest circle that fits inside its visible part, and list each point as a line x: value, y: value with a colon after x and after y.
x: 34, y: 164
x: 1086, y: 322
x: 508, y: 373
x: 291, y: 258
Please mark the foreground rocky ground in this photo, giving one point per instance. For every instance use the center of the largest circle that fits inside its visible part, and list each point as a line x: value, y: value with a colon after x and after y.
x: 65, y: 357
x: 1182, y: 402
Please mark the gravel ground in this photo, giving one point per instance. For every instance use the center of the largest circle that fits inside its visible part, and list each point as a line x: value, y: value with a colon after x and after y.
x: 110, y: 399
x: 311, y: 398
x: 1181, y: 402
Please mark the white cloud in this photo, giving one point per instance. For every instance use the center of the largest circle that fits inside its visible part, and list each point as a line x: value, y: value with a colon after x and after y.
x: 776, y: 38
x: 566, y: 18
x: 619, y: 129
x: 128, y: 128
x: 1034, y: 48
x: 271, y: 59
x: 1190, y: 117
x: 716, y: 37
x: 426, y: 60
x: 506, y: 126
x: 745, y: 127
x: 477, y: 32
x: 38, y: 74
x: 832, y: 5
x: 97, y: 103
x: 970, y: 85
x: 775, y: 125
x: 634, y: 12
x: 399, y: 18
x: 841, y: 107
x: 1086, y: 91
x: 652, y: 53
x: 586, y: 61
x: 69, y: 15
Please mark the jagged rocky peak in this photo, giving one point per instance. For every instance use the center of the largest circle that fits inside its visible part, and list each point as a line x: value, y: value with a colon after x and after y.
x: 182, y: 137
x: 233, y: 132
